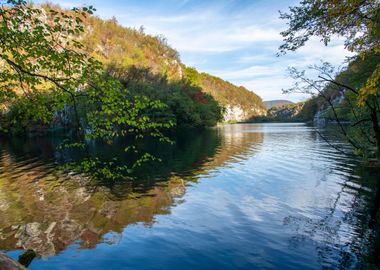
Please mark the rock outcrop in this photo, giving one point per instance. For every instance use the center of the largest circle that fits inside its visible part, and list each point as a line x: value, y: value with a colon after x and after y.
x: 235, y: 113
x: 7, y: 263
x: 286, y: 112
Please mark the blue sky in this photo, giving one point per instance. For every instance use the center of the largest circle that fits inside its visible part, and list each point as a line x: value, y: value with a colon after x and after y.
x: 236, y: 40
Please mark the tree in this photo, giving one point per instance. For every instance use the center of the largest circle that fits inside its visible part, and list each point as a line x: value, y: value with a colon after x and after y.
x: 44, y: 67
x: 329, y: 86
x: 358, y: 22
x: 39, y: 51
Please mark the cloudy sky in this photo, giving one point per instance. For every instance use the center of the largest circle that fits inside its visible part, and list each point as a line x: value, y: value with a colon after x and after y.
x: 236, y: 40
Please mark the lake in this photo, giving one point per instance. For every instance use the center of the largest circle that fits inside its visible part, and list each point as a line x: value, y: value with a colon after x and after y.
x: 241, y: 196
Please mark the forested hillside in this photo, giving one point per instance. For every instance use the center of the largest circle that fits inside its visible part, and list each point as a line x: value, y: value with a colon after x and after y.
x: 239, y: 103
x: 145, y: 65
x: 122, y: 48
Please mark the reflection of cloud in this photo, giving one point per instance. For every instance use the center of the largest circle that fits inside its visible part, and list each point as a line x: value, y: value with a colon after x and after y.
x: 254, y: 209
x: 47, y: 211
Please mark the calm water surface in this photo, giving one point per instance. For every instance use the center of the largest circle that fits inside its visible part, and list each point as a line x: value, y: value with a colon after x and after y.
x: 244, y: 196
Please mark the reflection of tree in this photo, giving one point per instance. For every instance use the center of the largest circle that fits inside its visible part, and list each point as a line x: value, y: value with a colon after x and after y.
x: 46, y: 213
x: 347, y: 235
x: 47, y: 209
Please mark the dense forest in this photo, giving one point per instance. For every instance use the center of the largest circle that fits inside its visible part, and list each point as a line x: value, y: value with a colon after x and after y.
x: 144, y: 65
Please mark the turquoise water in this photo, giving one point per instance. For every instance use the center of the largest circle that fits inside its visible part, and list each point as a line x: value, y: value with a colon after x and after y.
x: 243, y: 196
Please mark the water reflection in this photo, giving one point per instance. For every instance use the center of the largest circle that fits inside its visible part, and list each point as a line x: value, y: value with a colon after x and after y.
x: 346, y: 232
x: 272, y: 196
x: 47, y: 209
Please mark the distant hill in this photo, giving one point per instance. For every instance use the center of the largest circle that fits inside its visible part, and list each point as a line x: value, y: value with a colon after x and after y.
x: 238, y: 102
x: 276, y: 103
x: 121, y: 48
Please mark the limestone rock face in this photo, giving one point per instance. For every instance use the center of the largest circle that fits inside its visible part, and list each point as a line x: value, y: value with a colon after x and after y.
x: 237, y: 114
x: 233, y: 113
x: 336, y: 98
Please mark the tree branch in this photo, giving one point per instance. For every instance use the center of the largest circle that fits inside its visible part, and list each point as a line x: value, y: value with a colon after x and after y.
x: 340, y: 84
x: 361, y: 121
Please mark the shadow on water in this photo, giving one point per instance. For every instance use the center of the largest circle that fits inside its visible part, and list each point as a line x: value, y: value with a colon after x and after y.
x: 46, y: 209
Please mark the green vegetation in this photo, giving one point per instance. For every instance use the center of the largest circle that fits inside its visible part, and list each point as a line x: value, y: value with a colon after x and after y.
x: 227, y: 94
x: 70, y: 70
x: 50, y: 78
x: 47, y: 68
x: 120, y: 48
x: 352, y: 94
x: 92, y: 79
x: 137, y: 59
x: 187, y: 104
x: 54, y: 64
x: 39, y: 57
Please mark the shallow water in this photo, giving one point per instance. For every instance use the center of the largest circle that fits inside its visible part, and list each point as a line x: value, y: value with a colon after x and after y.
x: 243, y: 196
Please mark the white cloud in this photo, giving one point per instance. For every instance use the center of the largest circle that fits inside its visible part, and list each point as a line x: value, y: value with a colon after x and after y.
x: 253, y: 33
x: 252, y: 59
x: 231, y: 39
x: 207, y: 36
x: 269, y: 89
x: 269, y: 75
x: 248, y: 73
x: 206, y: 30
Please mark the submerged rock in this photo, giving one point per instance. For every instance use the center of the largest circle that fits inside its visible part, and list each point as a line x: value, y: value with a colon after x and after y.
x: 27, y: 257
x: 7, y: 263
